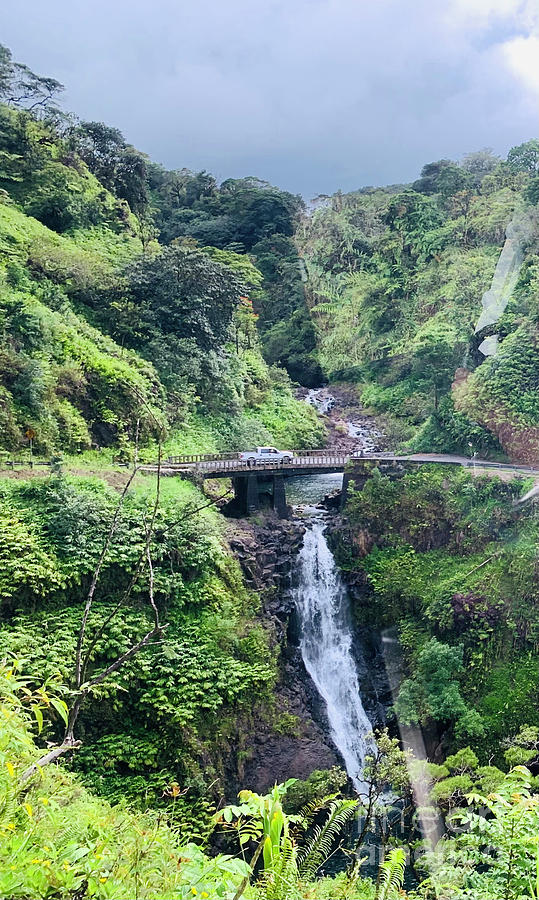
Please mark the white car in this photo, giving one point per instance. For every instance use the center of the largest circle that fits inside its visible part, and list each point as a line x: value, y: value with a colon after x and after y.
x: 266, y: 455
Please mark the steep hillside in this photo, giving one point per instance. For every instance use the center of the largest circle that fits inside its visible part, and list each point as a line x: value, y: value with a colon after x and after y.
x: 448, y: 561
x: 250, y: 216
x: 395, y: 281
x: 109, y: 336
x: 152, y: 652
x: 113, y: 339
x: 169, y: 714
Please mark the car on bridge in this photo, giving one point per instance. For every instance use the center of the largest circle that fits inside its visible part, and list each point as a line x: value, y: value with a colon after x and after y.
x: 266, y: 455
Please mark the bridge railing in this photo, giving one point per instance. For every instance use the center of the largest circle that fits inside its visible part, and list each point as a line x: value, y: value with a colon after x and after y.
x: 217, y: 457
x: 321, y: 458
x: 226, y: 465
x: 230, y: 462
x: 199, y: 457
x: 318, y: 460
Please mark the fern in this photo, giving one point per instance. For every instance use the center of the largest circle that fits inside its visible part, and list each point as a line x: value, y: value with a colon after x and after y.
x: 280, y: 881
x: 319, y: 847
x: 8, y: 806
x: 308, y: 813
x: 391, y: 875
x: 66, y: 835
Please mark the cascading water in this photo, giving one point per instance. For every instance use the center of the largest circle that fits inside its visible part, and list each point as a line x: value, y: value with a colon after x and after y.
x: 326, y: 647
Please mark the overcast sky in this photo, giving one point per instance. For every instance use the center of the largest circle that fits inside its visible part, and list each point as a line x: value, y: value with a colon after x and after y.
x: 311, y: 95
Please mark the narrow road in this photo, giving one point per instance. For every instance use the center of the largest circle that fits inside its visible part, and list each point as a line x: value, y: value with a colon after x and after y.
x: 223, y: 465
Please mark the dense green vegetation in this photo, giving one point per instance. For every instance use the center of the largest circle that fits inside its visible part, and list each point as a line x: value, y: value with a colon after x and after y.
x: 395, y: 279
x: 449, y: 561
x: 247, y: 215
x: 109, y: 335
x: 145, y: 311
x: 150, y: 726
x: 446, y: 562
x: 125, y: 327
x: 59, y: 840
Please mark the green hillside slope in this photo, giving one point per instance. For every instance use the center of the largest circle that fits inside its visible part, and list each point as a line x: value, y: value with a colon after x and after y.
x: 107, y: 335
x: 395, y: 280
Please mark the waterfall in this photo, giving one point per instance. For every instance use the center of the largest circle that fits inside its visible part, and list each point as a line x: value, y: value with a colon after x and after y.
x: 326, y: 647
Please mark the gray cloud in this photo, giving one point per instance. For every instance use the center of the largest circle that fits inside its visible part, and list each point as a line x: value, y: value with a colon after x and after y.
x: 311, y: 95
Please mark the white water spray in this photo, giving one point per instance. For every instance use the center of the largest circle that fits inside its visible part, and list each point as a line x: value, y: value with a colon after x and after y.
x: 326, y: 647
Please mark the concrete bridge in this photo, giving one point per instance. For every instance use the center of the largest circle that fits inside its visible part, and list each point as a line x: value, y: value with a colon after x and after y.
x: 250, y: 481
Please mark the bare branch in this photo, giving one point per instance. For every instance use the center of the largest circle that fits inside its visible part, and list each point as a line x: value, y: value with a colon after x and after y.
x: 245, y: 881
x: 98, y: 679
x: 151, y: 580
x: 123, y: 600
x: 48, y: 758
x: 193, y: 512
x: 142, y: 556
x: 95, y: 578
x: 81, y: 665
x: 137, y: 434
x: 480, y: 566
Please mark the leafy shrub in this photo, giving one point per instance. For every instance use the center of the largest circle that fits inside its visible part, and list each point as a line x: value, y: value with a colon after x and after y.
x: 320, y: 783
x: 59, y: 839
x: 72, y: 429
x: 215, y: 669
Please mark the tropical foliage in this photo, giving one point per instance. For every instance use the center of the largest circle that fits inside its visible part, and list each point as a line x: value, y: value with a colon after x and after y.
x: 110, y: 337
x: 448, y: 560
x: 147, y: 312
x: 395, y: 281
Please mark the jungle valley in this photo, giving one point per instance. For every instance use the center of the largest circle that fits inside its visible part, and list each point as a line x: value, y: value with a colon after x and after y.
x: 338, y: 702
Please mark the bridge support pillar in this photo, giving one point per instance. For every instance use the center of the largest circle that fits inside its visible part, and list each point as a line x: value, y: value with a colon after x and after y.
x: 252, y: 494
x: 247, y: 489
x: 279, y: 496
x: 246, y: 493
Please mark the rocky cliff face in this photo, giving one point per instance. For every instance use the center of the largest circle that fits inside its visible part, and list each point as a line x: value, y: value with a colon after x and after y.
x: 266, y: 548
x: 369, y: 650
x: 295, y: 740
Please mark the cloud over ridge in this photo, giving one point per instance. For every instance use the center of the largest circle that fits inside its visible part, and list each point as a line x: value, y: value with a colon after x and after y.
x: 310, y: 94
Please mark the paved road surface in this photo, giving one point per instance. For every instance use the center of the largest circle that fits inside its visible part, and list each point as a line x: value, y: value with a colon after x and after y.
x: 324, y: 460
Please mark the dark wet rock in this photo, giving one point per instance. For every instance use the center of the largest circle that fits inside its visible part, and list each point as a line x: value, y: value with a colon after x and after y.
x: 266, y: 552
x: 305, y: 744
x: 295, y: 738
x: 373, y: 680
x: 332, y: 501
